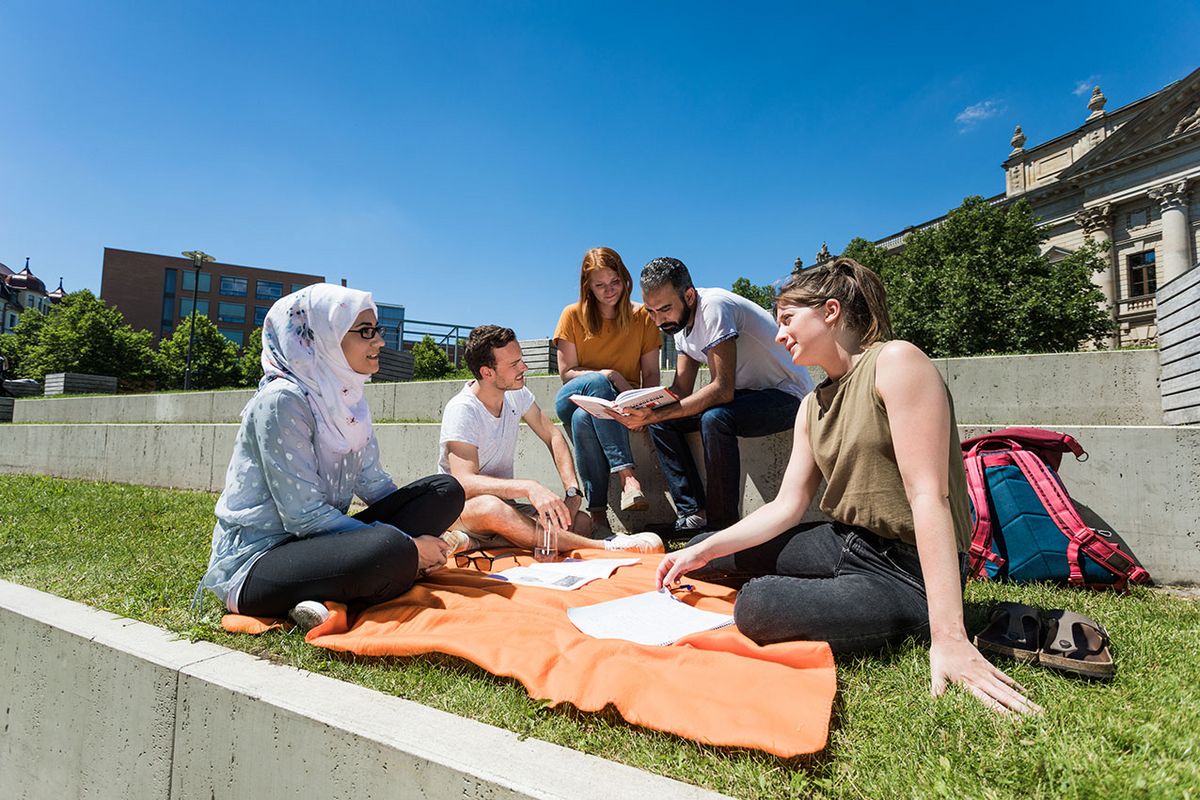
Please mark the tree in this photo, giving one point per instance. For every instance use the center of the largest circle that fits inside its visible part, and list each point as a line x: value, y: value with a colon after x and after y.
x: 429, y: 361
x: 250, y: 361
x: 215, y: 362
x: 762, y: 295
x: 84, y: 334
x: 978, y: 284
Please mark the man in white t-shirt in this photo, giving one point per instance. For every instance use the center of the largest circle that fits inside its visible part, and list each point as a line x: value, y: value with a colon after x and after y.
x: 478, y: 444
x: 755, y: 391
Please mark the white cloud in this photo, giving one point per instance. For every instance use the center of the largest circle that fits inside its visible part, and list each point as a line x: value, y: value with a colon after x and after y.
x: 1085, y: 86
x: 972, y: 115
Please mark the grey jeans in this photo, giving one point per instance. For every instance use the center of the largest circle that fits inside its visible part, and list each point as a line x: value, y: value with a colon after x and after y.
x: 828, y: 582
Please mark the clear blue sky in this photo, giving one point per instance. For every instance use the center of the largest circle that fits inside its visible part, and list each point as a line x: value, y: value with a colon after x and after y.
x: 459, y: 158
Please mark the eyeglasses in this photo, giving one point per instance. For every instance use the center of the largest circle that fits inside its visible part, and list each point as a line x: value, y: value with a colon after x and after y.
x: 370, y: 331
x: 479, y: 559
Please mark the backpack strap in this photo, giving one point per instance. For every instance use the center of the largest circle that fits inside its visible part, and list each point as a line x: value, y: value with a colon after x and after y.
x: 1062, y: 512
x: 981, y: 533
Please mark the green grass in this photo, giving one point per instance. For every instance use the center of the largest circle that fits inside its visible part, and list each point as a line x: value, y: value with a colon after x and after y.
x: 139, y: 552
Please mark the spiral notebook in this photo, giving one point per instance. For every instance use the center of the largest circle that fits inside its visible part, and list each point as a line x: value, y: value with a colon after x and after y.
x: 653, y: 618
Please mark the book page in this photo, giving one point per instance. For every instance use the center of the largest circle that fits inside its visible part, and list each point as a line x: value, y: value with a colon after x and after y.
x: 653, y: 618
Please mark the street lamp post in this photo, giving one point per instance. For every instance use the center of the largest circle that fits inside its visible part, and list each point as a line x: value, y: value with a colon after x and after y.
x: 199, y: 258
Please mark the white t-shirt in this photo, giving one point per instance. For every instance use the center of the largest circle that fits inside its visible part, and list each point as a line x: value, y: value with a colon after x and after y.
x: 466, y: 419
x: 761, y: 363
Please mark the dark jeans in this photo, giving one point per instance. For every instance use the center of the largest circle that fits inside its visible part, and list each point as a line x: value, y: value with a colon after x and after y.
x: 752, y: 412
x: 826, y: 582
x: 364, y: 566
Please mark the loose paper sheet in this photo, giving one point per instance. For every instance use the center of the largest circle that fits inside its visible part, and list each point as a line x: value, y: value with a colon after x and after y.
x: 564, y: 575
x: 655, y: 618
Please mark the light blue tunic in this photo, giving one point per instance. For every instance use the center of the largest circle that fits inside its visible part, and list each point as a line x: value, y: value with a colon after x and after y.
x: 278, y: 486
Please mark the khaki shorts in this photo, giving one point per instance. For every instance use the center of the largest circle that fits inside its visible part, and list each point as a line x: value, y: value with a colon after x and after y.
x: 492, y: 540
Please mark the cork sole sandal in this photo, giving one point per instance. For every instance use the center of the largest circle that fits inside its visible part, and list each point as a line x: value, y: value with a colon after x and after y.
x: 1076, y: 644
x: 1015, y: 630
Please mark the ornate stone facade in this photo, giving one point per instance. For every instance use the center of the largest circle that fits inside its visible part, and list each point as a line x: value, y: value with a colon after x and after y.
x: 1127, y: 178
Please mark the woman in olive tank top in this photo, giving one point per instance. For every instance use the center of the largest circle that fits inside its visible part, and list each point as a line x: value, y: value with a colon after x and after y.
x: 880, y: 431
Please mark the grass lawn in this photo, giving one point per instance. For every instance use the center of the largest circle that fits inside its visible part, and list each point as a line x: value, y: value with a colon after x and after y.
x: 139, y: 552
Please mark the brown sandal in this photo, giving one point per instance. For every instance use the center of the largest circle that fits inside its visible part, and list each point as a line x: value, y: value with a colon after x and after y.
x: 1074, y: 643
x: 1015, y: 630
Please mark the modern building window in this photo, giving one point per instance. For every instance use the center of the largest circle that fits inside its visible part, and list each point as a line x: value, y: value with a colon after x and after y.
x: 185, y: 307
x: 189, y: 281
x: 233, y: 287
x: 231, y: 312
x: 391, y: 318
x: 260, y: 314
x: 1141, y: 274
x: 235, y: 336
x: 298, y: 286
x: 268, y: 290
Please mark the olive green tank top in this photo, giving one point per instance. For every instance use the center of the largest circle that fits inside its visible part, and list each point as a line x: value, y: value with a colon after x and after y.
x: 851, y: 441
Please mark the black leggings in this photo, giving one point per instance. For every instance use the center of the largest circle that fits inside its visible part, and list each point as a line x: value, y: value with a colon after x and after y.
x: 363, y: 567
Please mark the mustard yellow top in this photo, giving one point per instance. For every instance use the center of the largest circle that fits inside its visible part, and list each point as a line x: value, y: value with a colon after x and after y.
x: 612, y: 347
x: 851, y: 441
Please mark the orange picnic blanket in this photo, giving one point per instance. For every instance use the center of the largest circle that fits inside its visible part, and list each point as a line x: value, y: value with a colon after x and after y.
x: 715, y: 687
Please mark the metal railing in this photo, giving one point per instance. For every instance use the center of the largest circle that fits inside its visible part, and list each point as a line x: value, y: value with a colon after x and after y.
x: 447, y: 336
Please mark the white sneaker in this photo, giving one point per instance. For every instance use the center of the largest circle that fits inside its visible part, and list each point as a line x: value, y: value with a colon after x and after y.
x: 458, y: 541
x: 692, y: 522
x: 308, y: 614
x: 645, y: 542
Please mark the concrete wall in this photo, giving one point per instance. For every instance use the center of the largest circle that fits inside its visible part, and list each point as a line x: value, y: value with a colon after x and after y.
x: 103, y: 707
x: 1141, y: 480
x: 1102, y: 388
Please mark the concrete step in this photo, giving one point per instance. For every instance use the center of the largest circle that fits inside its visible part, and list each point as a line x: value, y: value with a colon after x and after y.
x: 104, y: 707
x: 1139, y: 479
x: 1101, y: 388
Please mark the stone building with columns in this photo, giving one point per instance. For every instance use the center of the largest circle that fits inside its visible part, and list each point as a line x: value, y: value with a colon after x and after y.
x: 1129, y: 177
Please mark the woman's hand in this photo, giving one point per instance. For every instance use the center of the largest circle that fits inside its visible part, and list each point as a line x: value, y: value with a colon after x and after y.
x: 677, y: 564
x: 431, y: 553
x: 957, y: 661
x: 617, y: 380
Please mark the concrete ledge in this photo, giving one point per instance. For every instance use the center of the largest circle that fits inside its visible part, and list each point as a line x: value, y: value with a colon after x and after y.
x: 1141, y: 480
x: 1101, y: 388
x: 103, y: 707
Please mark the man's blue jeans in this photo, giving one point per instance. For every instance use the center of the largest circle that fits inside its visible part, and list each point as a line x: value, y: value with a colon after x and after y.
x: 752, y: 412
x: 601, y: 445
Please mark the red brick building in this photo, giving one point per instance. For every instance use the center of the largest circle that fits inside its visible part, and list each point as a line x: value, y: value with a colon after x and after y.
x: 155, y: 292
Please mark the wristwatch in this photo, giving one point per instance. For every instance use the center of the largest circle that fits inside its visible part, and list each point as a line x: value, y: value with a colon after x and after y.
x: 572, y: 491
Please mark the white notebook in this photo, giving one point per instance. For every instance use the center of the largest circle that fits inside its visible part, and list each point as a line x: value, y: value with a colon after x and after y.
x: 654, y: 618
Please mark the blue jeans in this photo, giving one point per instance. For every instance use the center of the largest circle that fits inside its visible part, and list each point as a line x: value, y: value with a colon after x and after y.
x: 601, y: 445
x: 752, y: 412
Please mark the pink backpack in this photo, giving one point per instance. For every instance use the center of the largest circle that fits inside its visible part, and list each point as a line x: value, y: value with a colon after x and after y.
x: 1026, y: 526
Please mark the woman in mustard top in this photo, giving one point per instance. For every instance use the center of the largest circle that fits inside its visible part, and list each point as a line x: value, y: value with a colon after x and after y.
x: 606, y: 345
x: 888, y: 564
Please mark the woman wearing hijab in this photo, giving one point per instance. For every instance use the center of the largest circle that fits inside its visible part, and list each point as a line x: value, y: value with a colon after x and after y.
x: 283, y: 540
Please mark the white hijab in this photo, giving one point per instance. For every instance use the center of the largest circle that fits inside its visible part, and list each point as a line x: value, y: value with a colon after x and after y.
x: 302, y: 343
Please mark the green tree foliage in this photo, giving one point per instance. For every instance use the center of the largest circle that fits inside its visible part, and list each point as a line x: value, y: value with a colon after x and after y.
x: 250, y: 361
x: 429, y: 361
x: 215, y: 362
x: 762, y: 295
x: 977, y: 284
x: 84, y: 334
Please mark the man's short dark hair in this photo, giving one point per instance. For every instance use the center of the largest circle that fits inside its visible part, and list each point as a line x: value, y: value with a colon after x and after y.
x: 481, y: 346
x: 663, y: 271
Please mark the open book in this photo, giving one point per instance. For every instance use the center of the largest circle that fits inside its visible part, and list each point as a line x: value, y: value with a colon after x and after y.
x: 653, y: 618
x: 634, y: 398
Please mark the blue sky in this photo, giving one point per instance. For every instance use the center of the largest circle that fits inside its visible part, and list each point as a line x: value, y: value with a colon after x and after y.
x: 459, y: 158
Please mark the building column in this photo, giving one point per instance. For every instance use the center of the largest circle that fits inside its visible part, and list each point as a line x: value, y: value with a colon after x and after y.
x: 1177, y: 249
x: 1097, y: 223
